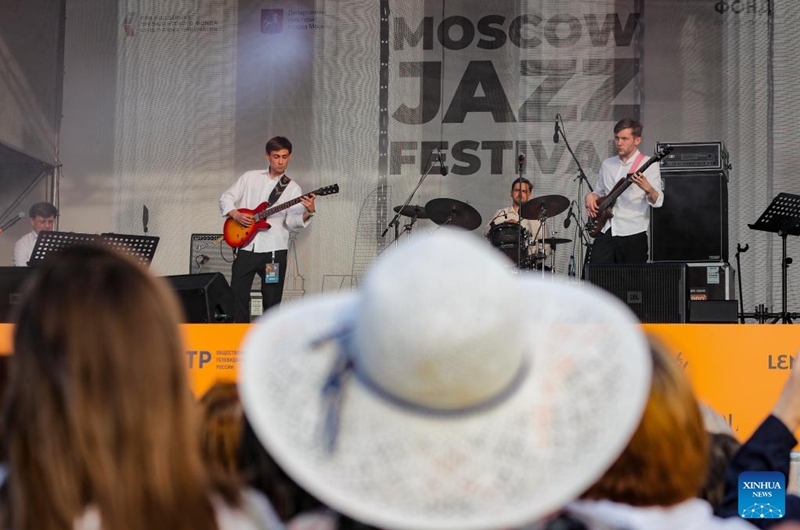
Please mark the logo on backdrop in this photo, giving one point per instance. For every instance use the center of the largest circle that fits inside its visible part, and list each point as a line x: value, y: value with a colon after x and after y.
x: 271, y: 21
x: 219, y: 360
x: 762, y: 495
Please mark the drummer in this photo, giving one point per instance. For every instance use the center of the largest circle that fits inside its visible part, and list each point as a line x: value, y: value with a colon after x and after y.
x: 521, y: 190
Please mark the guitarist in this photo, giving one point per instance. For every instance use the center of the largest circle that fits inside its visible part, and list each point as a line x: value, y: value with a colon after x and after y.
x: 624, y: 237
x: 269, y: 248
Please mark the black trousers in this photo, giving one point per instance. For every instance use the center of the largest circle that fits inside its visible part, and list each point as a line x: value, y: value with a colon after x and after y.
x: 609, y: 248
x: 246, y: 265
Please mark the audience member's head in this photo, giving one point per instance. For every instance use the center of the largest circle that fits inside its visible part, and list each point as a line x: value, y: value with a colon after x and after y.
x: 665, y: 462
x: 435, y: 396
x: 221, y: 435
x: 722, y: 447
x: 99, y: 415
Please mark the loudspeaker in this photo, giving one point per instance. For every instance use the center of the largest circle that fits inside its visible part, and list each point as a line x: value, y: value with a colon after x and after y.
x: 692, y: 224
x: 12, y: 281
x: 210, y: 253
x: 655, y: 292
x: 714, y: 311
x: 206, y: 298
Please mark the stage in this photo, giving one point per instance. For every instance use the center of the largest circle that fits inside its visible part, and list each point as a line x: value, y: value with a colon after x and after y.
x: 738, y: 370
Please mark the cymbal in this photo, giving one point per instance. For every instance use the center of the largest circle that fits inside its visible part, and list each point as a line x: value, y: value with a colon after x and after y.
x: 554, y: 240
x: 452, y: 212
x: 544, y: 206
x: 412, y: 210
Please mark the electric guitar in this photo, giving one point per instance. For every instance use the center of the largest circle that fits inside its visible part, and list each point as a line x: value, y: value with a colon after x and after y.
x: 238, y: 236
x: 604, y: 210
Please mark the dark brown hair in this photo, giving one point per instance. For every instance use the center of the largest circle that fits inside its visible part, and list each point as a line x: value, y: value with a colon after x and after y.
x: 277, y: 143
x: 524, y: 181
x: 99, y: 411
x: 629, y: 123
x: 42, y: 209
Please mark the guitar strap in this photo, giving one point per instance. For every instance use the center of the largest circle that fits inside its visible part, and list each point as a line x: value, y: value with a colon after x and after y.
x: 279, y: 188
x: 636, y: 163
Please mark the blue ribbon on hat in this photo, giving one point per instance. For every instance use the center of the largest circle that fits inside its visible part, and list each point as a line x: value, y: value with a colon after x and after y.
x: 344, y: 366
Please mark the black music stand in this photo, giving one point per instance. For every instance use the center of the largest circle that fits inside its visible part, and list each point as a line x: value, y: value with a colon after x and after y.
x: 782, y: 217
x: 140, y: 248
x: 49, y: 242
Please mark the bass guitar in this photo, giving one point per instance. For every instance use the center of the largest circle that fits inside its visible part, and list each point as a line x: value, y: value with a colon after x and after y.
x: 238, y: 236
x: 604, y: 210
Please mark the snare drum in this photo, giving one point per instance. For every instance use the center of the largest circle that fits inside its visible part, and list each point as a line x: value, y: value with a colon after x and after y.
x: 511, y: 239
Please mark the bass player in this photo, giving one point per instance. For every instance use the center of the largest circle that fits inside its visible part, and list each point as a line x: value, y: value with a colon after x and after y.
x: 266, y: 254
x: 624, y: 237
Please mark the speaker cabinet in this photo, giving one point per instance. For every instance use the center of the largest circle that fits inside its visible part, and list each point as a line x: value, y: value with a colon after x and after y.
x: 692, y: 224
x: 714, y: 311
x: 12, y: 280
x: 206, y: 298
x: 655, y: 292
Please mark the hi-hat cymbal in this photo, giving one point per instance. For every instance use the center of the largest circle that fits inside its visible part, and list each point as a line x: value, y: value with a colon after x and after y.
x: 544, y: 206
x: 412, y: 210
x: 554, y: 240
x: 452, y: 212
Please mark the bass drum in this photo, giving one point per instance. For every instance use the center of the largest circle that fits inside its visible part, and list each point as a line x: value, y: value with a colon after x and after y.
x: 512, y: 240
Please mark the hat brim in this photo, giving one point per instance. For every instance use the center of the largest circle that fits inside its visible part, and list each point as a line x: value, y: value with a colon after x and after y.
x: 539, y: 448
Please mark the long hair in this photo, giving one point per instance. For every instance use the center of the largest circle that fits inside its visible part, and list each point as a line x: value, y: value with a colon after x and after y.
x: 222, y: 427
x: 665, y: 462
x: 99, y: 412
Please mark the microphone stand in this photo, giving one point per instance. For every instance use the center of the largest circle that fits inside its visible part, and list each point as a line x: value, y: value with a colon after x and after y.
x: 519, y: 215
x: 581, y: 178
x: 395, y: 222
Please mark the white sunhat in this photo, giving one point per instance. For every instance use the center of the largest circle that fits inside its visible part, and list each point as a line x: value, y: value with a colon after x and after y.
x: 447, y: 393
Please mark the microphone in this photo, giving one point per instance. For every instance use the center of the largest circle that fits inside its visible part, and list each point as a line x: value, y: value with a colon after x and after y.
x: 555, y: 131
x: 12, y: 222
x: 442, y: 168
x: 521, y: 162
x: 568, y: 220
x: 204, y: 259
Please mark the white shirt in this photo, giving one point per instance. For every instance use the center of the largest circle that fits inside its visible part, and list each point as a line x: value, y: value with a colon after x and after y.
x: 23, y: 249
x: 632, y: 209
x: 692, y: 514
x: 253, y: 188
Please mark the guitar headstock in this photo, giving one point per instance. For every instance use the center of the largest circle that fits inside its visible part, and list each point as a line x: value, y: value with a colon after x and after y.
x: 664, y: 151
x: 327, y: 190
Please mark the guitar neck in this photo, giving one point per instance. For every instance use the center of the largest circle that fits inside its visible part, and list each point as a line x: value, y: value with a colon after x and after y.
x: 614, y: 195
x: 280, y: 207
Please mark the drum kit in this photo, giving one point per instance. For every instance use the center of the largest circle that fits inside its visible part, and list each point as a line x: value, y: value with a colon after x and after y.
x: 525, y: 250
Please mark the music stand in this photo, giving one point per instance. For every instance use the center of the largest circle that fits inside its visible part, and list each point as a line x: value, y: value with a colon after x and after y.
x: 140, y: 248
x: 49, y: 241
x: 782, y: 217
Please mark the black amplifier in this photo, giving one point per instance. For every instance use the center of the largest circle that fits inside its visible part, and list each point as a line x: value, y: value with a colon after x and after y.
x: 694, y: 156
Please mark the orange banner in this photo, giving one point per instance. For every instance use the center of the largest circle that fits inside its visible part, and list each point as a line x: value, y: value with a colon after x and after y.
x: 738, y: 370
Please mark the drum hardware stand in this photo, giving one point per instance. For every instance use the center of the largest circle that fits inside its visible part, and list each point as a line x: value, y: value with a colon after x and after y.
x: 581, y: 178
x: 395, y: 222
x: 782, y: 217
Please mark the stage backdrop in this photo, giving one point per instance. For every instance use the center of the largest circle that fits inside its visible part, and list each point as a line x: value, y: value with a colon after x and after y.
x: 166, y: 103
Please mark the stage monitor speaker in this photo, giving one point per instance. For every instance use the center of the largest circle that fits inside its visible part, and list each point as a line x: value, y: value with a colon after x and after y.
x: 207, y: 298
x: 714, y: 311
x: 12, y: 281
x: 655, y: 292
x: 692, y: 224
